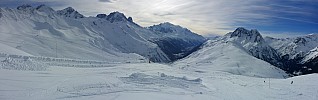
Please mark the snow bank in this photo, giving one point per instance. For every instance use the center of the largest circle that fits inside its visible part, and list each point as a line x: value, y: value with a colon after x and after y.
x: 163, y: 80
x: 22, y: 64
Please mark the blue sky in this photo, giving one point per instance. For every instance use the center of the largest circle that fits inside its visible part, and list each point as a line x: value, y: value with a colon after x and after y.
x: 271, y: 17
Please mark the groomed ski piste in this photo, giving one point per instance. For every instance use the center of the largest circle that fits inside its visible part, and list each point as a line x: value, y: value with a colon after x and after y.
x: 47, y: 78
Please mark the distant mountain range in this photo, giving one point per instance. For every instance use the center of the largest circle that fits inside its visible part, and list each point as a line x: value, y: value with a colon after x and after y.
x: 299, y: 55
x: 42, y: 31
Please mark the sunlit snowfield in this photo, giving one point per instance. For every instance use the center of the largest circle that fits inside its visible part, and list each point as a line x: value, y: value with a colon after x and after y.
x: 71, y: 79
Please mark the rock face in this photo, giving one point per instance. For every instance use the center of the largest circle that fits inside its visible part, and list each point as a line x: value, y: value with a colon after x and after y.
x: 130, y: 19
x: 101, y: 16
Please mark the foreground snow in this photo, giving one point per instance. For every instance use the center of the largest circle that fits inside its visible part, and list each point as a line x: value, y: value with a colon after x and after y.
x: 125, y: 81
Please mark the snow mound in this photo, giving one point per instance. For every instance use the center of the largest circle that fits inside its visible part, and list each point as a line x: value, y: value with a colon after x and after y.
x: 136, y: 82
x: 163, y: 80
x: 22, y: 64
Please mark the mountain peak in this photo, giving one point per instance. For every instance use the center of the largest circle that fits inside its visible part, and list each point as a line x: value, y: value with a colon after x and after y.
x: 241, y: 29
x: 252, y: 35
x: 116, y: 17
x: 70, y: 12
x: 165, y: 27
x: 24, y: 7
x: 101, y: 16
x: 167, y: 23
x: 171, y: 30
x: 70, y: 9
x: 44, y: 8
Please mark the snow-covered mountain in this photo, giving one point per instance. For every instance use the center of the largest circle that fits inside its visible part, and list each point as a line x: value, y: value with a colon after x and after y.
x: 254, y: 43
x: 42, y: 31
x: 310, y: 62
x: 292, y: 48
x: 175, y: 40
x: 299, y: 55
x: 311, y: 55
x: 242, y: 52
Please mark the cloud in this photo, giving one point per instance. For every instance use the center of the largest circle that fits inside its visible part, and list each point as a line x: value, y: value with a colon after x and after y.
x: 283, y: 34
x: 201, y: 16
x: 104, y: 0
x: 15, y: 3
x: 108, y: 1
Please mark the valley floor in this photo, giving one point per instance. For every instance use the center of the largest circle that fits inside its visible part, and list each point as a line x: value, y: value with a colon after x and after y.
x: 143, y: 81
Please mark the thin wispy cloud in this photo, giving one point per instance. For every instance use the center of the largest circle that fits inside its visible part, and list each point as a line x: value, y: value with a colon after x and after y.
x: 206, y: 16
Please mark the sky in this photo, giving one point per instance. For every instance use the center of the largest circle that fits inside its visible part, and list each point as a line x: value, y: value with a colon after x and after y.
x: 280, y: 18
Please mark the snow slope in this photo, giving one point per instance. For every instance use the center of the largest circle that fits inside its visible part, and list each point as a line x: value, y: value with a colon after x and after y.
x: 11, y: 50
x: 147, y: 81
x: 231, y: 57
